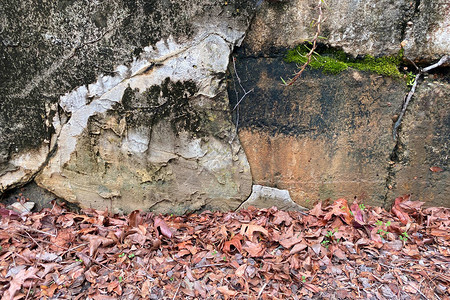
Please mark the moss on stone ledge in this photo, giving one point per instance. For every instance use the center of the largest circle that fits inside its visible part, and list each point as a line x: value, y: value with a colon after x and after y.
x: 333, y: 61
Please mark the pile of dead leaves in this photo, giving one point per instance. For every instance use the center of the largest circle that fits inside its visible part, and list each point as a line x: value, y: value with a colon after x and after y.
x: 333, y: 252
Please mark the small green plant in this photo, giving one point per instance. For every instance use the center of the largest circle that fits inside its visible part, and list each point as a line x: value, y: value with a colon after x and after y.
x: 131, y: 255
x: 303, y: 278
x: 79, y: 260
x: 404, y: 236
x: 381, y: 231
x: 224, y: 258
x: 325, y: 243
x: 362, y: 206
x: 120, y: 278
x: 172, y: 279
x: 214, y: 252
x: 410, y: 78
x: 121, y: 255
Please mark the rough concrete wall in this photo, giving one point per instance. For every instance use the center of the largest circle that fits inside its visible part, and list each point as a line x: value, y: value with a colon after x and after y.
x: 122, y: 104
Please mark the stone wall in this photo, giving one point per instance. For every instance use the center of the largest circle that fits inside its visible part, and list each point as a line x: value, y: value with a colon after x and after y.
x: 125, y: 104
x: 122, y: 104
x: 330, y: 136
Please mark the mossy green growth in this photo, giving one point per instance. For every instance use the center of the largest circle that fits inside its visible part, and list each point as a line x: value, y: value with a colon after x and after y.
x: 332, y: 61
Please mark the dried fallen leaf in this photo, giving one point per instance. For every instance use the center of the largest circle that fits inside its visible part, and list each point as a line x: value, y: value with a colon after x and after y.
x: 436, y: 169
x: 18, y: 280
x: 134, y: 220
x: 235, y: 242
x: 340, y: 209
x: 224, y: 290
x: 249, y: 229
x: 254, y: 249
x: 162, y: 227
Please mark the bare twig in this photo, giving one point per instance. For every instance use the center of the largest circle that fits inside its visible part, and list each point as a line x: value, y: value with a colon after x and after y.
x: 236, y: 107
x: 319, y: 22
x: 443, y: 60
x: 262, y: 289
x: 205, y: 266
x: 179, y: 285
x: 27, y: 228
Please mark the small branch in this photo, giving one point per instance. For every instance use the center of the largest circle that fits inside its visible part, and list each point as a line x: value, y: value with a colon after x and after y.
x: 205, y: 266
x: 442, y: 61
x: 262, y: 289
x: 27, y: 228
x: 314, y: 43
x: 179, y: 285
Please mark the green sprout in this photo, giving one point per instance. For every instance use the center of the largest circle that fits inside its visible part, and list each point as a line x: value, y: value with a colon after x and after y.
x: 362, y: 206
x: 224, y: 258
x: 214, y: 252
x: 120, y: 278
x: 325, y: 243
x: 404, y: 237
x: 79, y: 260
x: 172, y: 278
x: 121, y: 255
x: 388, y: 223
x: 131, y: 255
x: 410, y: 78
x: 379, y: 223
x: 303, y: 278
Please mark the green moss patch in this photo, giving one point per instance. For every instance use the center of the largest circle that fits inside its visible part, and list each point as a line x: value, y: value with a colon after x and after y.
x: 332, y: 61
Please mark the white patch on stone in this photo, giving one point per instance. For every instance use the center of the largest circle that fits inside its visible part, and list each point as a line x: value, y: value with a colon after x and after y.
x: 137, y: 141
x: 266, y: 197
x: 74, y: 100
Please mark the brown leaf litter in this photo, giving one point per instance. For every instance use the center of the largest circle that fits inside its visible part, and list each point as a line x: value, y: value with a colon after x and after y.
x: 332, y: 252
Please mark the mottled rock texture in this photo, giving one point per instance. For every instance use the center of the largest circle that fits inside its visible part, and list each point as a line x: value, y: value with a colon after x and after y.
x: 122, y: 104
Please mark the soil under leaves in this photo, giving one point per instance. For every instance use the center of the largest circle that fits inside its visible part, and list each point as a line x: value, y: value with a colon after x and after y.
x: 336, y: 251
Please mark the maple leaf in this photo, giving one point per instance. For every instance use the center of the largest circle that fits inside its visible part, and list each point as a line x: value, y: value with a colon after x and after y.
x: 18, y: 280
x: 249, y: 229
x: 340, y: 209
x: 282, y: 216
x: 235, y: 241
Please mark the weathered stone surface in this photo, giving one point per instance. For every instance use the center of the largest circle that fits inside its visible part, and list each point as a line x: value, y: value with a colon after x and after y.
x: 324, y: 137
x: 266, y: 197
x: 424, y: 143
x: 360, y: 27
x: 130, y: 102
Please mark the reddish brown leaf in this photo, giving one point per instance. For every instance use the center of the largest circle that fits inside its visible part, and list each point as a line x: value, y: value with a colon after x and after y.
x: 340, y: 208
x: 297, y: 248
x: 249, y: 229
x: 254, y: 249
x: 18, y: 280
x: 240, y: 271
x: 282, y: 216
x: 134, y: 220
x: 162, y: 227
x: 436, y: 169
x: 224, y: 290
x: 235, y: 241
